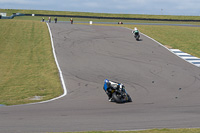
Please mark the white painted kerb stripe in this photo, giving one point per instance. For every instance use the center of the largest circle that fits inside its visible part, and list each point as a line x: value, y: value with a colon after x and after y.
x: 182, y: 54
x: 189, y: 58
x: 174, y: 49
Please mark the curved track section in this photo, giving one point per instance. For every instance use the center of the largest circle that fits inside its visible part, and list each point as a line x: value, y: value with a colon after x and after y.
x: 164, y: 88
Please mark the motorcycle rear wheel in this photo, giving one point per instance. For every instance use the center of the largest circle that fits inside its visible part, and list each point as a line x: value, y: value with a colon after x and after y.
x: 137, y: 37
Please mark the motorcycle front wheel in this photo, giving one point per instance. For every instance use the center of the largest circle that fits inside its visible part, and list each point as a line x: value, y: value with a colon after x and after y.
x: 117, y: 98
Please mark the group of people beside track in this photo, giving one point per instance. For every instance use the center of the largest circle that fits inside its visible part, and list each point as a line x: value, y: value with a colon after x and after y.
x: 55, y: 20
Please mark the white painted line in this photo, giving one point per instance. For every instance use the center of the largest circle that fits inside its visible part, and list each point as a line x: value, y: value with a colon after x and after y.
x: 58, y: 66
x: 198, y: 65
x: 182, y: 53
x: 186, y: 58
x: 175, y: 49
x: 194, y: 61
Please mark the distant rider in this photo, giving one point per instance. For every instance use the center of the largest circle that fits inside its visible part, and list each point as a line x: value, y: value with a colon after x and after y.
x: 109, y: 86
x: 135, y: 31
x: 71, y: 20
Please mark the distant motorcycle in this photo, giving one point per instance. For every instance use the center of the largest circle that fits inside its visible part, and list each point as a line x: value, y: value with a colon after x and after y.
x: 137, y: 36
x: 116, y: 92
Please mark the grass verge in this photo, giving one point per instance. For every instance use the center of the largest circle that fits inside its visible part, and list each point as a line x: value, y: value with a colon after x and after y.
x: 27, y: 65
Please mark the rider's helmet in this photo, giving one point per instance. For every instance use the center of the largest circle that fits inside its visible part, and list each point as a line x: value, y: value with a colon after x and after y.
x: 106, y: 80
x: 107, y: 83
x: 135, y: 29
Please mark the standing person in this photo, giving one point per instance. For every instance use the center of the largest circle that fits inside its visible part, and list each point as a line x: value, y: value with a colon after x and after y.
x: 0, y: 16
x: 71, y: 21
x: 55, y: 19
x: 42, y: 19
x: 49, y: 19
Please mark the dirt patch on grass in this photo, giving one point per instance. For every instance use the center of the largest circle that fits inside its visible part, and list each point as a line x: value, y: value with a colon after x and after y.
x: 168, y: 46
x: 36, y: 98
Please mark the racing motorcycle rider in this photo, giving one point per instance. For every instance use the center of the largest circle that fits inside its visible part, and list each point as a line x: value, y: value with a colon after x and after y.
x: 136, y: 31
x: 109, y: 86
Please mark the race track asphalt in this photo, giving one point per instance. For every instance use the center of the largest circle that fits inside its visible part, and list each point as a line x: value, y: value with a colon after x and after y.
x: 164, y: 88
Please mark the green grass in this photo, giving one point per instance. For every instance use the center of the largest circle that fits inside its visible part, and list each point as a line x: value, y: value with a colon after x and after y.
x: 27, y: 66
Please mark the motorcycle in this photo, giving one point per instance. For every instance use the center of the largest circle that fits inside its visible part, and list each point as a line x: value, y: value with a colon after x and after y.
x: 116, y: 91
x: 137, y: 36
x: 121, y: 96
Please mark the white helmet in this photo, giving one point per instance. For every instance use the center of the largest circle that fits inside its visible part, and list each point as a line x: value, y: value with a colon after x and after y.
x: 135, y: 28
